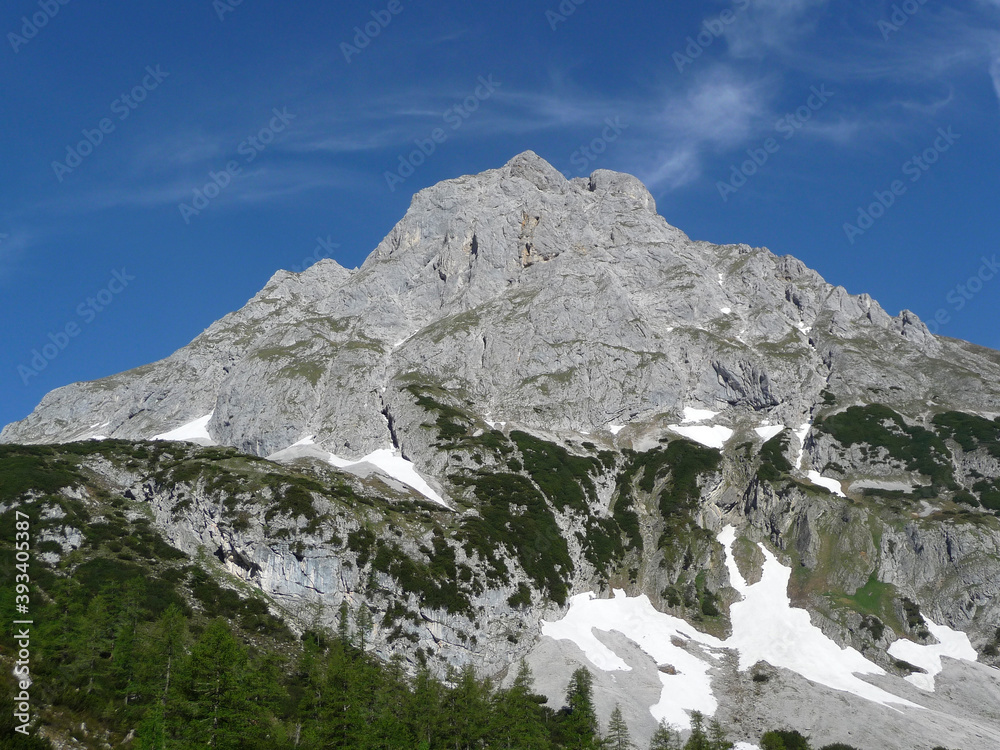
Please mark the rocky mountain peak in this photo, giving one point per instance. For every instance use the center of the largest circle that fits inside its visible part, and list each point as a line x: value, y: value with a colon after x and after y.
x: 531, y: 299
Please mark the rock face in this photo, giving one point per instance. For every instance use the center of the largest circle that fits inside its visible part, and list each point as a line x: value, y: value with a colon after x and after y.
x: 539, y: 300
x: 537, y: 347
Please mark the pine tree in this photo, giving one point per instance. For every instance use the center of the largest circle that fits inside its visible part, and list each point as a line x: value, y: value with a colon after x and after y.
x: 225, y: 697
x: 579, y: 724
x: 344, y: 623
x: 665, y: 738
x: 164, y: 648
x: 467, y: 705
x: 717, y: 739
x: 517, y: 718
x: 424, y: 709
x: 698, y: 739
x: 618, y: 737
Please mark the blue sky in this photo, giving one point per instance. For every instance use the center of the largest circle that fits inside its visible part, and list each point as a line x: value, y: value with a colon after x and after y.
x: 758, y: 121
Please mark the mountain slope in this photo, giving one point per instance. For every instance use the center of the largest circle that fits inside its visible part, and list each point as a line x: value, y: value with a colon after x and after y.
x: 536, y: 388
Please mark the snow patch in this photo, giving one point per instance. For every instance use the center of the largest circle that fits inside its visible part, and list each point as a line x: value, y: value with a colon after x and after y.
x: 952, y: 643
x: 711, y: 437
x: 801, y: 434
x: 698, y: 415
x: 769, y: 431
x: 831, y: 484
x: 767, y: 628
x: 614, y: 429
x: 390, y: 462
x: 635, y: 618
x: 196, y: 430
x: 727, y: 311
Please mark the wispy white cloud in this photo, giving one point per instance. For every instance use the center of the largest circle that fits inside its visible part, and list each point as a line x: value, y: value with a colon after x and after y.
x: 259, y: 184
x: 766, y: 26
x: 13, y: 245
x: 995, y: 75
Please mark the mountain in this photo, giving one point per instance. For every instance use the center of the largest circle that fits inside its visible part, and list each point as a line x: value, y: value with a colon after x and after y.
x: 783, y: 499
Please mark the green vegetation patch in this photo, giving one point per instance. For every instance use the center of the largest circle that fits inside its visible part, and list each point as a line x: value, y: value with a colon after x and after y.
x: 438, y: 583
x: 564, y: 478
x: 514, y: 515
x: 40, y: 468
x: 774, y: 466
x: 452, y: 424
x: 879, y: 426
x: 970, y: 431
x: 671, y: 474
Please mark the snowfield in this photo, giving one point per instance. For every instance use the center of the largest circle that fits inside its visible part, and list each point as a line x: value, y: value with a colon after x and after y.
x: 710, y: 436
x: 765, y: 628
x: 692, y: 415
x: 831, y: 484
x: 635, y: 618
x: 388, y: 461
x: 953, y: 643
x: 194, y: 431
x: 766, y: 432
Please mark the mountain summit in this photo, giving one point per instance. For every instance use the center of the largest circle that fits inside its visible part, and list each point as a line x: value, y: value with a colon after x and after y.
x: 548, y: 302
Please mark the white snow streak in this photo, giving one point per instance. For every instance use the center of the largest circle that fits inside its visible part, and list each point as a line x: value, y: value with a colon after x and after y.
x: 195, y: 430
x: 769, y: 431
x: 698, y: 415
x: 711, y: 437
x: 389, y: 461
x: 767, y: 628
x: 635, y: 618
x: 953, y: 643
x: 801, y: 434
x: 614, y: 429
x: 831, y: 484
